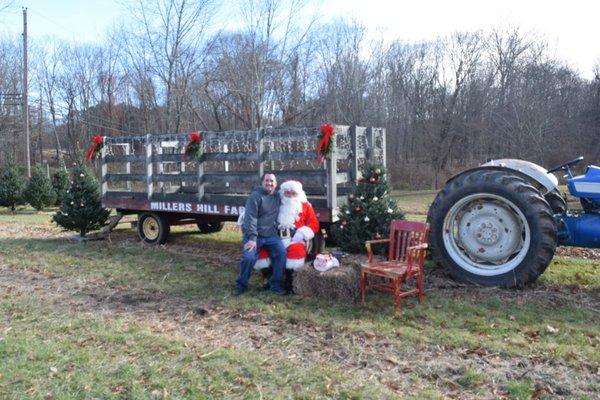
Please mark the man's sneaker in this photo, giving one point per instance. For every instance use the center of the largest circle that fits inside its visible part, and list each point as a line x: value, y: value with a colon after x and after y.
x: 238, y: 291
x: 265, y: 288
x: 279, y: 292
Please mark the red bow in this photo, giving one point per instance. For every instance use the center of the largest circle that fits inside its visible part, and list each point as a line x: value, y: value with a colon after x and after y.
x: 195, y: 137
x: 193, y: 146
x: 98, y: 142
x: 323, y: 147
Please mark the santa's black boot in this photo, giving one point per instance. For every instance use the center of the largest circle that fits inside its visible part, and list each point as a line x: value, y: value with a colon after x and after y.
x: 288, y: 281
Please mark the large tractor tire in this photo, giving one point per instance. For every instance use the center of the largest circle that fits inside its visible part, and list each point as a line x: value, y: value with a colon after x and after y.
x: 492, y: 228
x: 210, y: 227
x: 153, y: 228
x: 557, y: 202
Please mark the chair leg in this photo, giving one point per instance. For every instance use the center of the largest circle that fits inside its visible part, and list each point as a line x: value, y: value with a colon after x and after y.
x: 420, y: 286
x: 363, y: 286
x: 396, y: 284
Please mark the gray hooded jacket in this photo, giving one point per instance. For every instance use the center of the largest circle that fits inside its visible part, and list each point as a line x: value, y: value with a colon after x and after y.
x: 260, y: 215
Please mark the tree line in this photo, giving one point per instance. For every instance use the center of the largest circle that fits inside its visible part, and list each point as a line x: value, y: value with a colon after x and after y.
x: 447, y: 104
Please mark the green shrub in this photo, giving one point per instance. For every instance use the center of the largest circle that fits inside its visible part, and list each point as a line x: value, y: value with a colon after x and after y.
x: 60, y: 183
x: 12, y: 184
x: 39, y: 191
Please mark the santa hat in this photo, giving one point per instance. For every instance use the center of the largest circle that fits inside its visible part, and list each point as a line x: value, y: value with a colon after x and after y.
x: 296, y: 187
x: 296, y: 255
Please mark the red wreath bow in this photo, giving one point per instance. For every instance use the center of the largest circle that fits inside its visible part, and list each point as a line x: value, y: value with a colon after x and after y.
x: 98, y: 143
x: 324, y: 147
x: 193, y: 149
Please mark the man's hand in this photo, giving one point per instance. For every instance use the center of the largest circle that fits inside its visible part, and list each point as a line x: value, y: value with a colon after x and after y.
x: 298, y: 237
x: 250, y: 245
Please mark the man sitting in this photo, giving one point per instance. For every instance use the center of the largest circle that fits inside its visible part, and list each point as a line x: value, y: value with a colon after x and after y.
x: 298, y: 224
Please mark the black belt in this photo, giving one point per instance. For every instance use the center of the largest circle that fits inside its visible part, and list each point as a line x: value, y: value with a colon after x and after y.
x: 286, y: 233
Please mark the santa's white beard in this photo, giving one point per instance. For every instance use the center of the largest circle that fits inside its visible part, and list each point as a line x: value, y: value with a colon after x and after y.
x: 288, y: 211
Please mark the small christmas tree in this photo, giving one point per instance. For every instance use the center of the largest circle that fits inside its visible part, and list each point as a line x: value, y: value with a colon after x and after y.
x: 369, y: 211
x: 12, y: 184
x: 39, y: 191
x: 60, y: 183
x: 81, y: 209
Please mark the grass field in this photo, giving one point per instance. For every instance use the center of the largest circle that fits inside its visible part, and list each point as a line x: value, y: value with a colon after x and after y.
x: 116, y: 320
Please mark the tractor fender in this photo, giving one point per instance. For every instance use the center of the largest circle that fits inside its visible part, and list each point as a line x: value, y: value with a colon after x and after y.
x: 536, y: 175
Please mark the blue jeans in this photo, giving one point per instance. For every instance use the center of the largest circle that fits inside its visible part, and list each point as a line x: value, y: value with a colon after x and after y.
x: 276, y: 252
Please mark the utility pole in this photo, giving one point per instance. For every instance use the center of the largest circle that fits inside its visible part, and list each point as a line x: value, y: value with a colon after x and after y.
x: 25, y: 92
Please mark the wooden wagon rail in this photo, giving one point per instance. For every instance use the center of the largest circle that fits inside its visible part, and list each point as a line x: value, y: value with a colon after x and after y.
x: 150, y: 172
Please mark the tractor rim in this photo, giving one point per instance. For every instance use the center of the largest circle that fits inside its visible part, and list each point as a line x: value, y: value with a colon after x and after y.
x: 486, y: 234
x: 150, y: 228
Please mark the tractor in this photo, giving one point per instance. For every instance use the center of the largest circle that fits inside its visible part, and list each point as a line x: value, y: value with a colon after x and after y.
x: 499, y: 224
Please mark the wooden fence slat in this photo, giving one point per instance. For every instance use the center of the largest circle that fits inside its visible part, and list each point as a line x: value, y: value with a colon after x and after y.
x: 177, y: 177
x: 229, y: 157
x: 149, y: 170
x: 120, y: 158
x: 125, y: 178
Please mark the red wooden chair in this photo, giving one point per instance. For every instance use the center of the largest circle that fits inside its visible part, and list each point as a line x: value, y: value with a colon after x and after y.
x: 406, y: 256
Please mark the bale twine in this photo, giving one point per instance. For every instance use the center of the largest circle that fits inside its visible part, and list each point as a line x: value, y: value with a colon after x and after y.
x: 340, y: 284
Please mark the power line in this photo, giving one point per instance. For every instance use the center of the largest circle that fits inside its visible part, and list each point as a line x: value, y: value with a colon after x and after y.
x: 82, y: 120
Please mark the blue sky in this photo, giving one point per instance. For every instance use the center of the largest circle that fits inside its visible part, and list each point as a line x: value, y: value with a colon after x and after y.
x: 571, y: 28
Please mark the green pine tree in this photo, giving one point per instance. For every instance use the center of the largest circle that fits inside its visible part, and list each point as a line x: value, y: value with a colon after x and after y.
x: 369, y: 211
x: 60, y: 183
x: 39, y: 191
x: 81, y: 209
x: 12, y: 184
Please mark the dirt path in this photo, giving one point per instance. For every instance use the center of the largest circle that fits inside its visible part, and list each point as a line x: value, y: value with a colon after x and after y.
x: 367, y: 356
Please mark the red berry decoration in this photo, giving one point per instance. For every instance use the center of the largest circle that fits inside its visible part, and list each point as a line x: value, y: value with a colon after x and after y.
x: 372, y: 179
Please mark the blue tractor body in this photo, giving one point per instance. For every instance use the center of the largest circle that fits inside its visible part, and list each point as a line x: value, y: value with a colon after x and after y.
x: 582, y: 229
x: 587, y: 185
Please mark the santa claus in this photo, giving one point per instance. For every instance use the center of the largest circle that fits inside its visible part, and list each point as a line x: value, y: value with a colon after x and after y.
x: 298, y: 224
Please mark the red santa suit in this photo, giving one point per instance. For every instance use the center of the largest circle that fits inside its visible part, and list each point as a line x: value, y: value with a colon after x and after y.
x: 297, y: 218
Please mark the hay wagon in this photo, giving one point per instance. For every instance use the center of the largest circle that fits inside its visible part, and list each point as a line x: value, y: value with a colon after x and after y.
x: 151, y: 177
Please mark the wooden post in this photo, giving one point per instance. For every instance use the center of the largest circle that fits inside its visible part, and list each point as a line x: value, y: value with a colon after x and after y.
x: 200, y: 177
x: 182, y: 168
x: 383, y: 148
x: 331, y: 168
x: 260, y: 148
x: 149, y: 177
x: 128, y: 164
x: 160, y: 166
x: 354, y: 142
x: 103, y: 171
x: 226, y: 163
x: 370, y: 151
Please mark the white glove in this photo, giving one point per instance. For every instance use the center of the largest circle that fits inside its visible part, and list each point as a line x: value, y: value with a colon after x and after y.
x: 298, y: 237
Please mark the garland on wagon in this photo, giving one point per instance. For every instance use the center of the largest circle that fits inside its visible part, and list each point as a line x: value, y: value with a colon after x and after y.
x: 193, y: 150
x: 326, y: 142
x: 97, y: 145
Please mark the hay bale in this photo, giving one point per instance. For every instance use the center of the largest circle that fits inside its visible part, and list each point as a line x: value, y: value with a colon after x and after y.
x: 339, y: 284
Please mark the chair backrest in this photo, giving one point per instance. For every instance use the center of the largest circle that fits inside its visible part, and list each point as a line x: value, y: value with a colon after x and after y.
x: 404, y: 234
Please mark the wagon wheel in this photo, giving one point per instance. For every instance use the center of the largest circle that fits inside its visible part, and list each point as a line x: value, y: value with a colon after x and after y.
x: 153, y: 228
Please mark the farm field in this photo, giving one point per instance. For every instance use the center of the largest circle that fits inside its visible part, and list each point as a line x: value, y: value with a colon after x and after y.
x: 114, y: 319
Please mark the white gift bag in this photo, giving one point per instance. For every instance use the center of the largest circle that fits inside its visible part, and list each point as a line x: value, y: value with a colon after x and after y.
x: 325, y: 262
